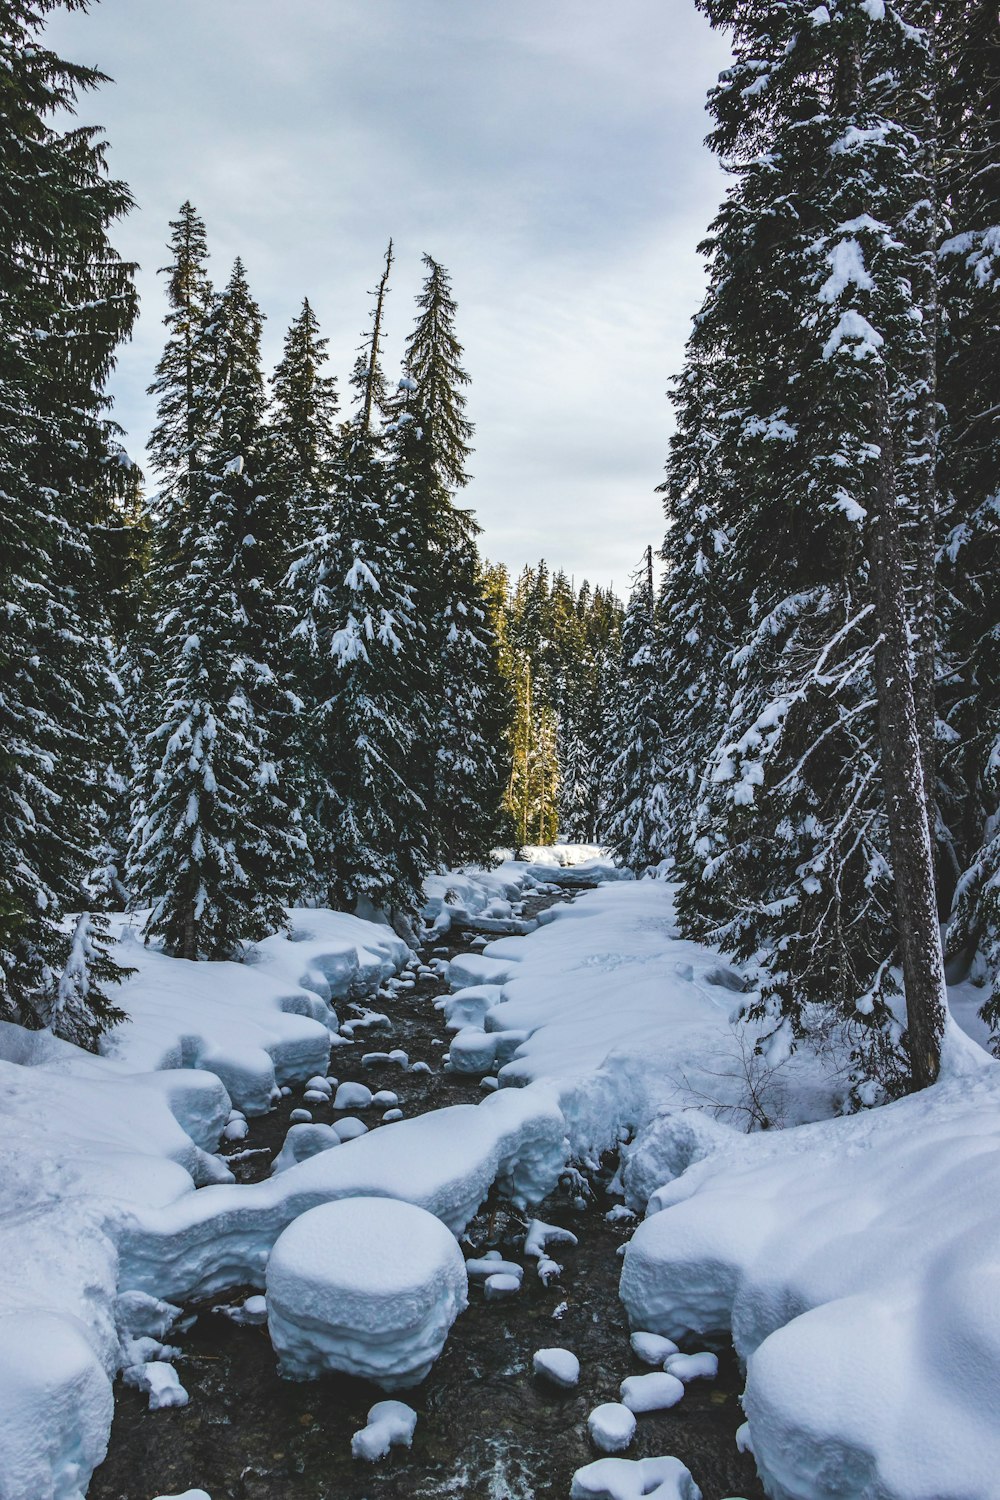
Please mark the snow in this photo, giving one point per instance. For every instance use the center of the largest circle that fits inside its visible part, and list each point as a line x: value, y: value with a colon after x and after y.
x: 559, y: 1366
x: 687, y: 1367
x: 500, y: 1285
x: 626, y: 1479
x: 479, y: 1269
x: 652, y: 1348
x: 160, y: 1382
x: 655, y: 1392
x: 611, y: 1426
x: 368, y: 1286
x: 187, y: 1495
x: 854, y: 1263
x: 391, y: 1424
x: 352, y: 1096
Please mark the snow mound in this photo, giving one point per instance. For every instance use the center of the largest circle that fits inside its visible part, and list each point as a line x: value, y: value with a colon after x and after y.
x: 627, y: 1479
x: 656, y: 1392
x: 559, y: 1366
x: 391, y: 1424
x: 856, y: 1263
x: 611, y: 1426
x: 368, y: 1286
x: 56, y: 1403
x: 652, y: 1348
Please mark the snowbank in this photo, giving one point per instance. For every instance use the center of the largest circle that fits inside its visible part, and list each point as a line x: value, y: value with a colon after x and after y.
x: 856, y: 1265
x: 624, y: 1017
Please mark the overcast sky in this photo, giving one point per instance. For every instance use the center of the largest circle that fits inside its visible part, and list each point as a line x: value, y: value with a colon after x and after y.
x: 548, y: 152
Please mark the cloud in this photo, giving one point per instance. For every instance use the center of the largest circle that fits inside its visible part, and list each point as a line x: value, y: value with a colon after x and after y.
x: 547, y: 151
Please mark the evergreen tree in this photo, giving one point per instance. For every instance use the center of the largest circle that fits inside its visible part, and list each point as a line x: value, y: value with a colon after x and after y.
x: 458, y: 710
x: 303, y: 431
x: 354, y: 632
x: 816, y: 336
x: 216, y: 844
x: 635, y: 821
x: 969, y: 744
x: 66, y: 302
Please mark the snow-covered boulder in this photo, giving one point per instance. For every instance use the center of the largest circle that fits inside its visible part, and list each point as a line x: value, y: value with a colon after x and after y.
x: 628, y: 1479
x: 391, y: 1424
x: 368, y: 1286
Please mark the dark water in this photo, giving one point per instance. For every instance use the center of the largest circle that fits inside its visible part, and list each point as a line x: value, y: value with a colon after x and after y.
x: 487, y: 1427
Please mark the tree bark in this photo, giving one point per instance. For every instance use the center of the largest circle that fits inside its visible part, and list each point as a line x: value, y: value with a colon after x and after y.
x: 903, y: 776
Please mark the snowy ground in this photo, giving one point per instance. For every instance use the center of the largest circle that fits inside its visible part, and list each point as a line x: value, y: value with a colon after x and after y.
x: 852, y: 1261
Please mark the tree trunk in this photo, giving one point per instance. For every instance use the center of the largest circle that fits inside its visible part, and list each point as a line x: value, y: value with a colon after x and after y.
x: 903, y: 777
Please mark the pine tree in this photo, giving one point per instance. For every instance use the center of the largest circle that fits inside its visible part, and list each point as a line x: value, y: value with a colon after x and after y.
x: 635, y: 821
x: 352, y: 602
x: 216, y: 843
x: 818, y: 324
x: 969, y: 748
x: 303, y: 430
x: 458, y: 711
x: 66, y: 302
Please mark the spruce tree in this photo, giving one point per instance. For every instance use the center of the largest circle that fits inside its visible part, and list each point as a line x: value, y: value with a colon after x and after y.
x: 817, y: 324
x: 66, y: 302
x: 635, y: 821
x: 303, y: 430
x: 216, y: 843
x: 458, y: 709
x: 354, y: 635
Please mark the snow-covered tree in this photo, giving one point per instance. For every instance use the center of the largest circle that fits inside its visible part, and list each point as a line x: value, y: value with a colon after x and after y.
x: 303, y: 430
x: 816, y: 336
x: 216, y: 843
x: 351, y: 599
x: 66, y: 302
x: 635, y: 821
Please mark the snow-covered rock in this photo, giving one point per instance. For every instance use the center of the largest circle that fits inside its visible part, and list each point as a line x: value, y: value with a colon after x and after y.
x: 611, y: 1426
x: 352, y: 1096
x: 559, y: 1366
x: 349, y: 1128
x: 500, y: 1285
x: 369, y: 1286
x: 628, y: 1479
x: 655, y: 1392
x: 301, y: 1142
x: 652, y: 1348
x: 391, y: 1424
x: 688, y: 1367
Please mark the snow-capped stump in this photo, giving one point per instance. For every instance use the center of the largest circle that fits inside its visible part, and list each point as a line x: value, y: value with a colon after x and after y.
x: 391, y: 1424
x: 350, y: 1127
x: 654, y: 1392
x: 385, y: 1099
x: 611, y: 1427
x: 631, y: 1479
x: 300, y: 1116
x: 501, y: 1285
x: 301, y: 1142
x: 559, y: 1366
x: 652, y: 1348
x: 352, y: 1096
x: 368, y: 1286
x: 687, y: 1367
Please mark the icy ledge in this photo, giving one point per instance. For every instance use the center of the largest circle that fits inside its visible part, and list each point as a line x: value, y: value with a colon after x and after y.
x: 856, y: 1263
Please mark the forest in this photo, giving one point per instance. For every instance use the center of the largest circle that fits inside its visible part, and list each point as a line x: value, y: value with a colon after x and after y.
x: 704, y: 883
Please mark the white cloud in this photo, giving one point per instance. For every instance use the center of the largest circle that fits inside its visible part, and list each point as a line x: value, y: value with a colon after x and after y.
x: 547, y: 151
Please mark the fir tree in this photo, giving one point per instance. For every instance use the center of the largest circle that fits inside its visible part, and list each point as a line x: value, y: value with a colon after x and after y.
x: 635, y: 821
x: 354, y: 632
x: 818, y: 351
x: 216, y: 844
x: 303, y: 430
x: 66, y: 302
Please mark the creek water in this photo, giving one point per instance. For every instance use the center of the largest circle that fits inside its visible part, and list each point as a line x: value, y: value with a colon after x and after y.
x: 487, y: 1428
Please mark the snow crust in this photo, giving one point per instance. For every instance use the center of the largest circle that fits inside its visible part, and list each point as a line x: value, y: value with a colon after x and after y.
x: 367, y: 1286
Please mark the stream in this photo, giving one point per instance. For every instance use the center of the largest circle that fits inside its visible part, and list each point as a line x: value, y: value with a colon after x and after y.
x: 487, y: 1427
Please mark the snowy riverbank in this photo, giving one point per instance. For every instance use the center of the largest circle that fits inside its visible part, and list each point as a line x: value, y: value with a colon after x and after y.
x: 598, y: 1027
